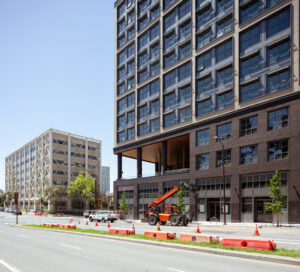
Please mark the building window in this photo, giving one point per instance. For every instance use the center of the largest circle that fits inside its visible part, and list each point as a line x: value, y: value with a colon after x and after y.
x: 170, y: 119
x: 184, y: 8
x: 224, y: 100
x: 224, y: 76
x: 130, y: 133
x: 142, y: 93
x: 154, y: 32
x: 223, y: 5
x: 130, y: 68
x: 154, y: 106
x: 169, y: 79
x: 249, y: 11
x: 202, y: 137
x: 143, y: 75
x: 184, y: 50
x: 249, y: 91
x: 248, y: 126
x: 204, y: 107
x: 154, y: 51
x: 121, y: 104
x: 227, y: 158
x: 250, y: 37
x: 143, y: 129
x: 121, y: 121
x: 204, y: 61
x: 130, y: 117
x: 130, y: 33
x: 271, y: 3
x: 143, y: 40
x: 143, y: 58
x: 250, y: 65
x: 202, y: 161
x: 169, y: 40
x: 247, y: 205
x: 204, y: 38
x: 184, y: 71
x: 168, y: 3
x: 121, y: 9
x: 121, y: 88
x: 130, y: 83
x: 203, y: 16
x: 154, y: 125
x: 154, y: 69
x: 130, y: 50
x: 278, y: 22
x: 169, y: 59
x: 261, y: 180
x: 154, y: 87
x: 278, y: 119
x: 169, y: 19
x: 169, y: 100
x: 121, y: 137
x: 278, y: 81
x: 184, y: 30
x: 185, y: 94
x: 278, y: 150
x: 184, y: 114
x: 130, y: 100
x: 203, y: 85
x: 130, y: 17
x: 248, y: 154
x: 143, y: 111
x: 224, y: 50
x: 278, y: 52
x: 215, y: 183
x: 154, y: 12
x: 224, y: 26
x: 224, y: 131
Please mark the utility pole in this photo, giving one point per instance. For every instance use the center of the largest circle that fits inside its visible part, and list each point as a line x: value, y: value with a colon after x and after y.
x: 223, y: 166
x: 16, y: 204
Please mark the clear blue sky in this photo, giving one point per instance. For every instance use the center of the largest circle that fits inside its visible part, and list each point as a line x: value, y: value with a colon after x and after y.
x: 56, y: 71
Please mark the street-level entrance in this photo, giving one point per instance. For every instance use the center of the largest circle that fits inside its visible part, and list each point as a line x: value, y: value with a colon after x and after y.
x: 261, y: 214
x: 213, y: 209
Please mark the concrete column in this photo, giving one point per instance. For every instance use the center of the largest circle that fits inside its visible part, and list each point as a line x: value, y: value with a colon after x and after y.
x: 120, y: 170
x: 139, y: 163
x: 235, y: 199
x: 164, y: 157
x: 135, y: 202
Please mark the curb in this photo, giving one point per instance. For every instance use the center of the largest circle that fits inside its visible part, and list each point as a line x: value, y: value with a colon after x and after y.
x: 222, y: 252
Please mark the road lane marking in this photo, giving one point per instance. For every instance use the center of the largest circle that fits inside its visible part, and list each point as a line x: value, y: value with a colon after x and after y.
x: 280, y: 242
x: 175, y: 270
x: 8, y: 266
x: 65, y: 245
x: 24, y: 236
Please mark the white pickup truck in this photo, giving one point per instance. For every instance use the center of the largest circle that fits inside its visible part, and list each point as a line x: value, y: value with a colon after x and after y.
x: 103, y: 216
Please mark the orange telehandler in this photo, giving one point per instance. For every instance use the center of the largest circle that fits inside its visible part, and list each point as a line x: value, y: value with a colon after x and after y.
x: 170, y: 212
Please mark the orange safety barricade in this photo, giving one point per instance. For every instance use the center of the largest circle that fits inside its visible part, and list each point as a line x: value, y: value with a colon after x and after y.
x: 121, y: 231
x: 260, y: 244
x: 198, y: 238
x: 160, y: 235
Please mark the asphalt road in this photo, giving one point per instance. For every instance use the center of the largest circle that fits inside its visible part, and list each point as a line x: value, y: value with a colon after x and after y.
x: 26, y: 250
x: 285, y: 237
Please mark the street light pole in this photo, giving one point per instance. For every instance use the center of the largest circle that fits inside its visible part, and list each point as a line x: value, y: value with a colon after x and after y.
x: 223, y: 166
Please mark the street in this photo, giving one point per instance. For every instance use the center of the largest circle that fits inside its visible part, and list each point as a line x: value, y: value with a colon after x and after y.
x: 32, y: 250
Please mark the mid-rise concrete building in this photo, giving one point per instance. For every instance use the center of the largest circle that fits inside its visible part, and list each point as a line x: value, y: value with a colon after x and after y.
x: 105, y: 180
x: 53, y: 158
x: 191, y: 76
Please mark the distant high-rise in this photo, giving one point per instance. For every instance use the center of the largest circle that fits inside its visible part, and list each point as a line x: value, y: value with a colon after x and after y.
x: 105, y: 180
x: 191, y: 73
x: 53, y: 158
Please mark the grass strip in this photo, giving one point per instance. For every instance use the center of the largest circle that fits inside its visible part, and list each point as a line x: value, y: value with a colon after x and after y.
x: 278, y: 251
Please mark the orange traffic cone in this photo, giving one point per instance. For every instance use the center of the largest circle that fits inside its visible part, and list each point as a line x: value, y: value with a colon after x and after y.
x: 96, y: 224
x: 197, y: 230
x: 108, y: 225
x: 158, y: 227
x: 256, y: 230
x: 86, y: 222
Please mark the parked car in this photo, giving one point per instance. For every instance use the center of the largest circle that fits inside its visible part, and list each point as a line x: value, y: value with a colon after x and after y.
x: 2, y: 209
x: 87, y: 213
x: 17, y: 212
x: 102, y: 216
x: 6, y: 210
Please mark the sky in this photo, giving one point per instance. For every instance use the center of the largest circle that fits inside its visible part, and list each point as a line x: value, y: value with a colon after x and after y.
x: 57, y: 71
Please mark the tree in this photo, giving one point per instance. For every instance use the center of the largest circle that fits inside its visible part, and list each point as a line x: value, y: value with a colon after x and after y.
x: 275, y: 194
x: 2, y: 197
x: 82, y: 188
x: 180, y: 206
x: 123, y: 205
x: 55, y: 194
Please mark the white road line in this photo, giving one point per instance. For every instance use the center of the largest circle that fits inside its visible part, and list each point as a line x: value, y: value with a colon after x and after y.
x: 71, y: 246
x: 280, y: 242
x: 176, y: 270
x: 8, y: 266
x: 24, y: 236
